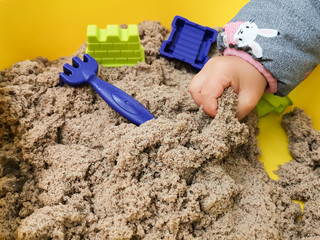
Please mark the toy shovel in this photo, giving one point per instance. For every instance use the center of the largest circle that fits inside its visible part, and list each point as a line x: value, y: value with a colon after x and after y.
x: 85, y: 71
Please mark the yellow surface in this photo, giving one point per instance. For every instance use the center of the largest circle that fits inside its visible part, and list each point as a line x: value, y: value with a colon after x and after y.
x: 273, y: 139
x: 33, y: 28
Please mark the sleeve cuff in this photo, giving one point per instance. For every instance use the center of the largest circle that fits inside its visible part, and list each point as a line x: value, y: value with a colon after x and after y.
x: 272, y: 82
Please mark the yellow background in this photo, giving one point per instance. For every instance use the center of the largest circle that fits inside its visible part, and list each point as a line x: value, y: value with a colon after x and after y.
x: 32, y: 28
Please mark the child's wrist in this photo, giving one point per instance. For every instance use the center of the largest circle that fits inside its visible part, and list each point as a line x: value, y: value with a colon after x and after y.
x: 272, y: 82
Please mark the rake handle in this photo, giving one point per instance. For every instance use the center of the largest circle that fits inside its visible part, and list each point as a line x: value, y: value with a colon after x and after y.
x: 120, y: 101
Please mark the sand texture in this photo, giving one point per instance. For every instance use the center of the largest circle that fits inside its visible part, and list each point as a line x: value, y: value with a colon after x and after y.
x: 73, y: 168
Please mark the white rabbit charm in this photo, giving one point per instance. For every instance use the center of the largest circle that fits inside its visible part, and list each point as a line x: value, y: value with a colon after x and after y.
x: 243, y: 34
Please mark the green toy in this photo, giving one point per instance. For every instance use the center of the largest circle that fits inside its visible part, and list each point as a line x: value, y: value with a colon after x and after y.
x: 113, y: 46
x: 272, y: 103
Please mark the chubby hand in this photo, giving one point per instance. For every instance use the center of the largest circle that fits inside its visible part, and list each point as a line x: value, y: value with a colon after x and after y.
x: 222, y: 72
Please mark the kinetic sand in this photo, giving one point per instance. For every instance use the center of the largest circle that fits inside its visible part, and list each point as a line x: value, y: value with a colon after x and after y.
x: 73, y: 168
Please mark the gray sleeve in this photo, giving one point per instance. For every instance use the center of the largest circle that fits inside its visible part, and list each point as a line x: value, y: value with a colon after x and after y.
x: 283, y: 35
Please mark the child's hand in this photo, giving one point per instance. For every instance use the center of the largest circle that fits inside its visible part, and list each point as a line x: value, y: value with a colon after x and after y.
x: 224, y: 71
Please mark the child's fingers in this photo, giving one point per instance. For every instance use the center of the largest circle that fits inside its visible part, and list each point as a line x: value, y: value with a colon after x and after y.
x: 249, y: 95
x: 195, y: 87
x: 246, y: 102
x: 208, y: 85
x: 212, y: 89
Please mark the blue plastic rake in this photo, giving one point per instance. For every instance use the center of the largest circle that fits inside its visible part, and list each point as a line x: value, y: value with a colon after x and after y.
x: 85, y: 71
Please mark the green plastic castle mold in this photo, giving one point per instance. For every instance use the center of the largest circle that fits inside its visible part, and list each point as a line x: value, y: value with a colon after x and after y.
x: 272, y: 103
x: 113, y: 46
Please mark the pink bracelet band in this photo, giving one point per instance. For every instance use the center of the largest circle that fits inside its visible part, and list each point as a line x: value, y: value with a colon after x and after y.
x: 272, y: 82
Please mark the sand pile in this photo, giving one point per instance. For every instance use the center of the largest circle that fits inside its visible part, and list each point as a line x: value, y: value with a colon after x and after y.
x: 73, y: 168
